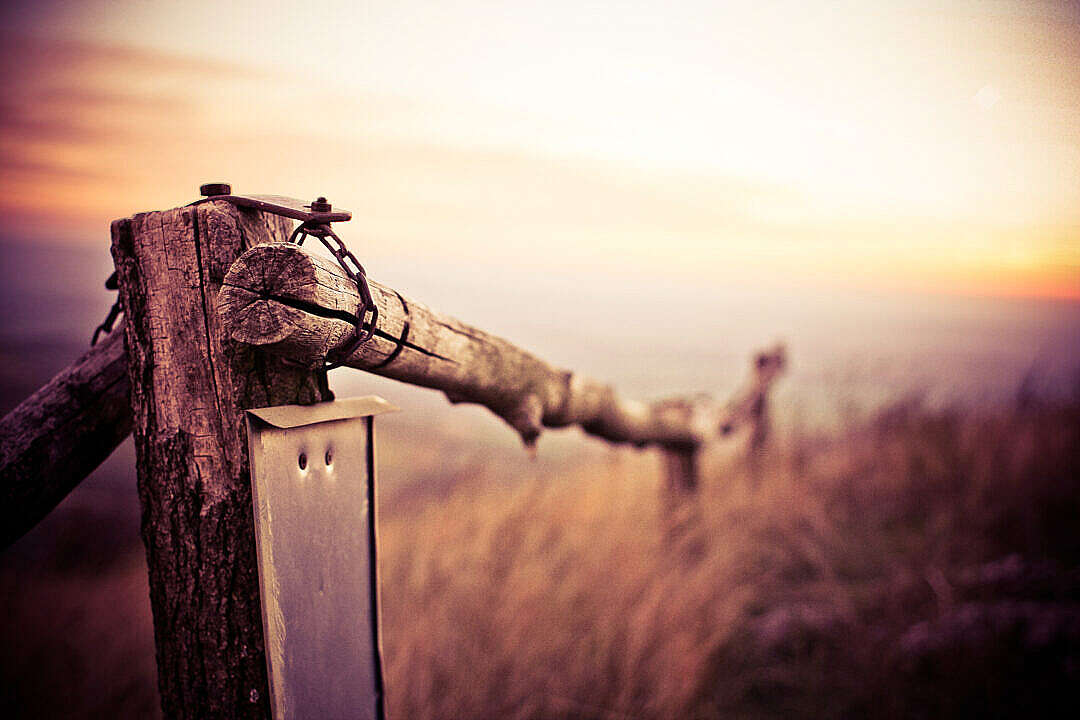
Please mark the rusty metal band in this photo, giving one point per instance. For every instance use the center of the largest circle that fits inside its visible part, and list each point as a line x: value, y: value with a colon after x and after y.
x: 402, y: 341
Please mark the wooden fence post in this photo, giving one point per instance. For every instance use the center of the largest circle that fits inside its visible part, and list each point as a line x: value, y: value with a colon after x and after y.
x: 681, y: 472
x: 189, y: 387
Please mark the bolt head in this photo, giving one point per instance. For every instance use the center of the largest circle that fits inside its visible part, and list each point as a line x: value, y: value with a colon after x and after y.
x: 320, y: 205
x: 211, y: 189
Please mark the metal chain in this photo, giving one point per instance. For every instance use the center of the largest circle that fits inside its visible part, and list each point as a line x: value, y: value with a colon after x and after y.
x: 365, y: 328
x: 106, y: 326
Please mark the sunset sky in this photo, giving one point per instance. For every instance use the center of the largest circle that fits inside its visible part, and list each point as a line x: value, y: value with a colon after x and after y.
x: 918, y: 146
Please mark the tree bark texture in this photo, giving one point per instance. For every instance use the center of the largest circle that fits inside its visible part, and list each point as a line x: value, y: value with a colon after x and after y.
x: 60, y: 434
x: 188, y: 391
x: 293, y: 303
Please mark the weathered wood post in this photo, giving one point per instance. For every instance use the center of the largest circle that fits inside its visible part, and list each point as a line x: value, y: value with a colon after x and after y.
x: 189, y: 387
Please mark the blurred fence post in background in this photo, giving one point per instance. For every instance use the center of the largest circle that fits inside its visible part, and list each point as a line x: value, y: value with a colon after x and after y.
x: 681, y: 471
x: 767, y: 367
x: 188, y: 392
x: 748, y: 408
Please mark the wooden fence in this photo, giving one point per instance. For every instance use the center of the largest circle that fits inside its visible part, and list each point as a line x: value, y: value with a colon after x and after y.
x: 222, y: 315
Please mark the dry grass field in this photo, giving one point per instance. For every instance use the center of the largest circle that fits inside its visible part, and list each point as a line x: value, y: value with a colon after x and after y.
x: 918, y: 563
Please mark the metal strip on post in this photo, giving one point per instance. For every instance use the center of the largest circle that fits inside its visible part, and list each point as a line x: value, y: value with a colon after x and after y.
x: 313, y: 487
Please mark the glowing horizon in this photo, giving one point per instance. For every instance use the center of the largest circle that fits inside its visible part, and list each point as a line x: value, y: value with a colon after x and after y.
x: 910, y: 146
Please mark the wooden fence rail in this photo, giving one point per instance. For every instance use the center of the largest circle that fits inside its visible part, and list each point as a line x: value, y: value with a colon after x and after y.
x: 60, y: 434
x: 290, y: 302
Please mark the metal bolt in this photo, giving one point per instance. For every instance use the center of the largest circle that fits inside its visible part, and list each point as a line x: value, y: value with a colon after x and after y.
x: 211, y: 189
x: 329, y: 458
x: 303, y: 461
x: 320, y: 205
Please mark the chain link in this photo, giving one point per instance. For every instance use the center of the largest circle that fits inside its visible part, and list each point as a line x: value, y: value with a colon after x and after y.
x: 106, y: 326
x: 365, y: 328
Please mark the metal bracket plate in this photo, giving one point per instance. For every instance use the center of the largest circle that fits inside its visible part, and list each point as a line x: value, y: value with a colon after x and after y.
x: 282, y: 205
x: 312, y: 470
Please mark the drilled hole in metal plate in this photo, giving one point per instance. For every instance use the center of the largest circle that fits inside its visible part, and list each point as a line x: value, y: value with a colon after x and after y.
x: 303, y: 461
x: 329, y: 457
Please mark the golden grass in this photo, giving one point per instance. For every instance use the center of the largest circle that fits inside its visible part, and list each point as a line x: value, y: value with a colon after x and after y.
x: 794, y: 585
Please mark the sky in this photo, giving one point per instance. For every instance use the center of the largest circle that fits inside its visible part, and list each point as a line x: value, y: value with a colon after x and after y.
x: 915, y: 146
